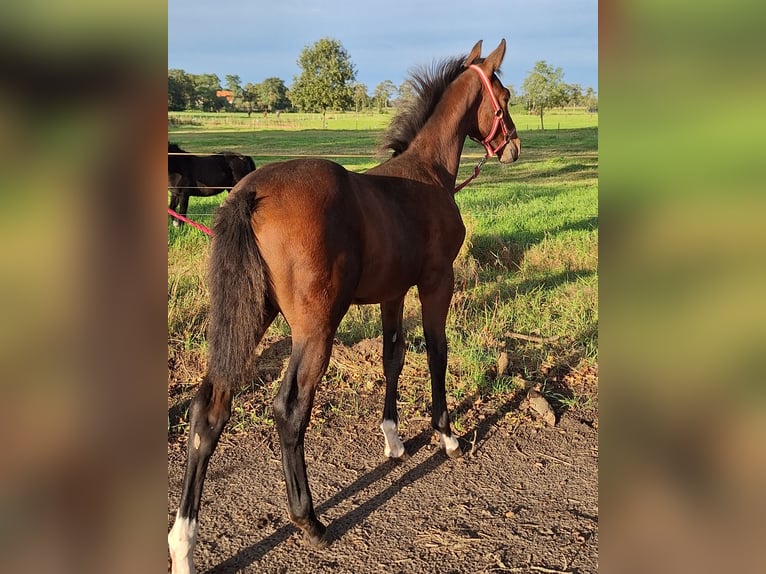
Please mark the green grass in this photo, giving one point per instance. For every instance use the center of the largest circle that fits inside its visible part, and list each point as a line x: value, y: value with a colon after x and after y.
x: 180, y: 122
x: 529, y: 264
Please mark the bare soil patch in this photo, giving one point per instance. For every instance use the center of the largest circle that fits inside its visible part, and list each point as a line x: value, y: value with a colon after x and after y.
x: 524, y: 498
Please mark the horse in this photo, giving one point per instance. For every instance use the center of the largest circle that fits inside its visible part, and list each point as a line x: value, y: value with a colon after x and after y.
x: 307, y: 238
x: 202, y: 176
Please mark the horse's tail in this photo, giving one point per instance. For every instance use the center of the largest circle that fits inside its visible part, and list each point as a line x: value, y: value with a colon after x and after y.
x: 250, y: 163
x: 237, y: 282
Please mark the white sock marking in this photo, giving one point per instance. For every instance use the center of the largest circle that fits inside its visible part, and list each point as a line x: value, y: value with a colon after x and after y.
x: 448, y: 443
x: 181, y: 540
x: 394, y: 446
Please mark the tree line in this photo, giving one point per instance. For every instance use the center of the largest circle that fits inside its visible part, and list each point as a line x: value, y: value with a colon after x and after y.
x: 328, y: 82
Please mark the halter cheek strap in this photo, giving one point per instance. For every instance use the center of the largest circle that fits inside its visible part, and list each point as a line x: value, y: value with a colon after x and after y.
x: 498, y: 123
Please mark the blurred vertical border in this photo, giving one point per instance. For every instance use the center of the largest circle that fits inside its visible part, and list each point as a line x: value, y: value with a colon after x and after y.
x: 82, y: 295
x: 683, y: 285
x: 83, y: 257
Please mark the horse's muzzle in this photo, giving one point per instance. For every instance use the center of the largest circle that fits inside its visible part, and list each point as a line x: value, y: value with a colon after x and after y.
x: 511, y: 151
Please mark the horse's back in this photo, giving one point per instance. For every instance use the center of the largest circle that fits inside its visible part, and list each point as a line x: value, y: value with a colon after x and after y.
x: 299, y: 189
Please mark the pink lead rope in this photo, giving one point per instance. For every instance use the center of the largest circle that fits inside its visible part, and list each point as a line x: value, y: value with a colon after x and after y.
x: 476, y: 171
x: 199, y: 226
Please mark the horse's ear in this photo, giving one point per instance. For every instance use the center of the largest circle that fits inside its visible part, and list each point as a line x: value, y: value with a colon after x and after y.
x: 496, y: 57
x: 475, y: 53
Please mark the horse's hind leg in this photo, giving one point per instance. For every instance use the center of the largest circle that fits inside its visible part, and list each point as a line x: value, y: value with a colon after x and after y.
x: 393, y: 360
x: 292, y: 409
x: 435, y: 302
x: 208, y: 413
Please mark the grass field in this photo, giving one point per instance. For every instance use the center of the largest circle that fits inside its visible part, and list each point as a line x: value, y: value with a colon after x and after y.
x: 180, y: 122
x: 526, y: 278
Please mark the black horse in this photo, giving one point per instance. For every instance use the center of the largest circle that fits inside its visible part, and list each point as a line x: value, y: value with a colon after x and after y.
x: 202, y: 176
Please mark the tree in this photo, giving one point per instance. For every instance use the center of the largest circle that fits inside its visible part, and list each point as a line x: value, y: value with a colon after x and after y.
x: 383, y: 93
x: 544, y: 88
x: 406, y: 91
x: 233, y: 84
x: 591, y: 100
x: 272, y: 94
x: 250, y: 97
x: 205, y: 88
x: 180, y: 90
x: 325, y: 82
x: 574, y: 95
x: 361, y: 99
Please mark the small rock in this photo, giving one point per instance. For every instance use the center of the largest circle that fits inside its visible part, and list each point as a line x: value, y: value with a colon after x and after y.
x: 536, y: 404
x: 502, y: 364
x: 261, y: 523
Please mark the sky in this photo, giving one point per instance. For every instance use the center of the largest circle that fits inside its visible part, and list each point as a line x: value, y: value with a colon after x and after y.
x: 385, y: 40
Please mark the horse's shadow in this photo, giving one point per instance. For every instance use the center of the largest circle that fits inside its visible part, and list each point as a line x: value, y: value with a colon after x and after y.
x: 342, y: 525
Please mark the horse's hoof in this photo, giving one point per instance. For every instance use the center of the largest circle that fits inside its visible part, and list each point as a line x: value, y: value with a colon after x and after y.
x: 450, y: 445
x: 318, y: 539
x: 401, y: 458
x: 398, y: 454
x: 454, y: 454
x: 395, y: 454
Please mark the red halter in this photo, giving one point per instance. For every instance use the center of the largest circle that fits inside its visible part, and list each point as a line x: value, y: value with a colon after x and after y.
x: 499, y: 122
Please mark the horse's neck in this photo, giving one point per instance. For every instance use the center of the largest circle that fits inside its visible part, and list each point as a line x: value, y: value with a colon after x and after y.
x: 439, y: 143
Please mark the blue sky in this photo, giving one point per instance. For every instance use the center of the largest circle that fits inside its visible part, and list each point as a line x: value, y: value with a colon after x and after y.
x: 258, y: 40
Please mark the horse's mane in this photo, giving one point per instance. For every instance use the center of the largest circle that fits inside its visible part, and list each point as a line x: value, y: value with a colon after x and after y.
x: 428, y: 84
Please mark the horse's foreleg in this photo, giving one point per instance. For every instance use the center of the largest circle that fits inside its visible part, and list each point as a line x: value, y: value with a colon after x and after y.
x: 435, y: 302
x: 393, y: 360
x: 183, y: 205
x: 292, y: 409
x: 175, y: 196
x: 209, y: 411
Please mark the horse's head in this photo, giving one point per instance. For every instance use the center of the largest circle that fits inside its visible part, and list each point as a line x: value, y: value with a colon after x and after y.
x: 494, y: 128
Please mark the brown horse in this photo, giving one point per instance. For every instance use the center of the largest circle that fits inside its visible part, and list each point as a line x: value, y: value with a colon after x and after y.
x: 202, y: 176
x: 306, y: 239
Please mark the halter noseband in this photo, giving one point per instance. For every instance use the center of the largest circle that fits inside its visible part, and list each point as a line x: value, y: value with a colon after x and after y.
x: 499, y: 122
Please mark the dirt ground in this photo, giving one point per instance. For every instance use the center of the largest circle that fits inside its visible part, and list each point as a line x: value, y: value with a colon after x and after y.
x: 524, y: 497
